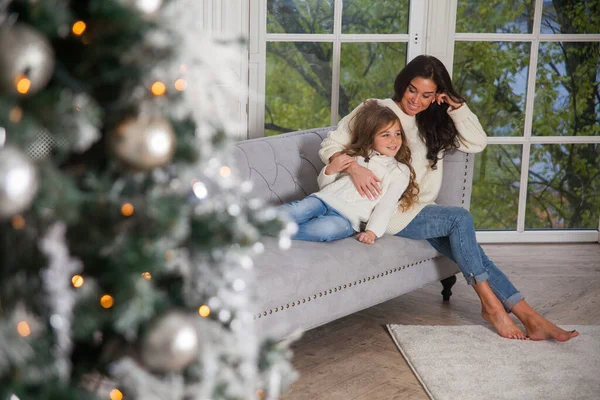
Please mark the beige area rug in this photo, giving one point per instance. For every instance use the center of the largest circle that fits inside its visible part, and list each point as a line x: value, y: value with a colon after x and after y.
x: 472, y: 362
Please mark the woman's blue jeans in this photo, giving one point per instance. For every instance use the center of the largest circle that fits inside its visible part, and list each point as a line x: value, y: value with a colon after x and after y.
x: 317, y: 221
x: 451, y: 231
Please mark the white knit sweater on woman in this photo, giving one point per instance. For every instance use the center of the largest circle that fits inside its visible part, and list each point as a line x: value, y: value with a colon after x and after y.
x: 472, y: 139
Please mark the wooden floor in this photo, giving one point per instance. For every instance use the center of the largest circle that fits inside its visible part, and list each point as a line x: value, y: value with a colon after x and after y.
x: 355, y: 358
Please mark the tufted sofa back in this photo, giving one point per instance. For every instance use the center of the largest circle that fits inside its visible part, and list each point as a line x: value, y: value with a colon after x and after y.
x: 282, y: 168
x: 285, y: 167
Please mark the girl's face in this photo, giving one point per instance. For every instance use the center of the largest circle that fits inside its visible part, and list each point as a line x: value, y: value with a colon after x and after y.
x: 388, y: 140
x: 419, y: 95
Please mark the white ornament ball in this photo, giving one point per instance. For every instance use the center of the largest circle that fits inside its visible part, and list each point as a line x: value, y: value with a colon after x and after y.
x: 171, y: 344
x: 143, y: 143
x: 18, y: 181
x: 26, y: 55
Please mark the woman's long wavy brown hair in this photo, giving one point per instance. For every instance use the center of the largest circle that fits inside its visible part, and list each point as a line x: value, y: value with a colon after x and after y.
x: 435, y: 125
x: 369, y: 120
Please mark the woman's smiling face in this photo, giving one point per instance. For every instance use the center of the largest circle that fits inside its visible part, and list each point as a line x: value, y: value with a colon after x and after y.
x: 419, y: 95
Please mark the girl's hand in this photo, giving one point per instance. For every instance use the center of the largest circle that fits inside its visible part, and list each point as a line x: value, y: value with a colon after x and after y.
x: 365, y: 181
x: 367, y: 237
x: 338, y: 164
x: 444, y: 98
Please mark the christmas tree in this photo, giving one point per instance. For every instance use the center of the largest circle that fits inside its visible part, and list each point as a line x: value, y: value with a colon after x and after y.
x: 125, y: 239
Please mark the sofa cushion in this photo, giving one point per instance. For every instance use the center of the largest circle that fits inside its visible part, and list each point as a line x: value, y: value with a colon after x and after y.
x: 308, y: 268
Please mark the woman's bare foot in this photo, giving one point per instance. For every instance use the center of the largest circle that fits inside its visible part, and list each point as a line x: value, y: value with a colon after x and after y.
x: 503, y: 324
x: 493, y: 312
x: 539, y: 328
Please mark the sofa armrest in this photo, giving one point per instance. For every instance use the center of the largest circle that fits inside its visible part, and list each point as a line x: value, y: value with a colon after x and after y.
x: 457, y: 183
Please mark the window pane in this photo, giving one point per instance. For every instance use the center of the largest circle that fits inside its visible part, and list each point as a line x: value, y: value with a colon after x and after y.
x: 298, y: 87
x: 496, y: 182
x: 574, y: 16
x: 367, y: 71
x: 492, y: 76
x: 495, y: 16
x: 300, y: 16
x: 567, y: 96
x: 376, y: 16
x: 564, y: 189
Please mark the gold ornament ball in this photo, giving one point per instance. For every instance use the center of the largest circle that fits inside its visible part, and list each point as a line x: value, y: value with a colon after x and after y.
x: 26, y: 60
x: 143, y: 143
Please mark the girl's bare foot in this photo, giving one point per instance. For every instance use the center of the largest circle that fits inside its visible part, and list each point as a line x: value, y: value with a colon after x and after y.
x: 503, y: 324
x: 539, y: 328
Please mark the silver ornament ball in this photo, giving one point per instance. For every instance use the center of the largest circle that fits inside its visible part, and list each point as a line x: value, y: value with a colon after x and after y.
x: 26, y: 53
x: 143, y: 143
x: 171, y: 343
x: 18, y: 181
x: 145, y: 6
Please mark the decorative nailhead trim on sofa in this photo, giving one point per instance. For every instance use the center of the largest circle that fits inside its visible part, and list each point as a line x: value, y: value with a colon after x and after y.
x: 465, y: 179
x: 339, y: 288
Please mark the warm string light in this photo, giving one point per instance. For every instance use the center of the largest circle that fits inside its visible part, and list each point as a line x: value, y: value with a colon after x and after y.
x: 23, y: 329
x: 78, y: 28
x: 107, y: 301
x: 147, y: 275
x: 15, y: 115
x: 22, y: 83
x: 18, y: 222
x: 116, y: 394
x: 180, y: 85
x: 204, y: 311
x: 127, y: 209
x: 158, y: 88
x: 77, y: 281
x: 225, y: 171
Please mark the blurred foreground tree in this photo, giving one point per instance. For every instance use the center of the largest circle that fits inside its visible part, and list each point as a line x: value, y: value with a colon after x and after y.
x: 125, y: 239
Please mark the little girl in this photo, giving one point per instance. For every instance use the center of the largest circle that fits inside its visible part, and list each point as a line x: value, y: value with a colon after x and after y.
x: 337, y: 210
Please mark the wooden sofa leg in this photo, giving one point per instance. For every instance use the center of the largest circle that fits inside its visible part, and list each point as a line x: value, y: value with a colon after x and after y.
x: 447, y: 284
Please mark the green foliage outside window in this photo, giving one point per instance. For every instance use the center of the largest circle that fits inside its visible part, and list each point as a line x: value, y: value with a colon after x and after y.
x: 562, y: 189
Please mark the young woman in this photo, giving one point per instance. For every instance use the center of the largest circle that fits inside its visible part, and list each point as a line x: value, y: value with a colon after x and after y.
x: 435, y: 119
x: 337, y: 210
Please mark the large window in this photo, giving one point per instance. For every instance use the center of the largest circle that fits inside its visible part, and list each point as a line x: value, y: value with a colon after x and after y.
x: 531, y: 72
x: 323, y: 57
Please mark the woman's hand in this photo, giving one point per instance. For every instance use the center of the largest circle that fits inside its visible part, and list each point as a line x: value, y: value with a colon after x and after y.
x: 444, y: 98
x: 338, y: 164
x: 367, y: 237
x: 365, y: 181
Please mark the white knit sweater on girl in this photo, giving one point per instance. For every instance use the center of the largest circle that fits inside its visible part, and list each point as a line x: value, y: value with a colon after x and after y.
x: 472, y: 139
x: 338, y: 191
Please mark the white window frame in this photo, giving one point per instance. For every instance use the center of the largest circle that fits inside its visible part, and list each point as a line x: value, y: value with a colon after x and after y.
x: 431, y: 31
x: 258, y: 39
x: 442, y: 37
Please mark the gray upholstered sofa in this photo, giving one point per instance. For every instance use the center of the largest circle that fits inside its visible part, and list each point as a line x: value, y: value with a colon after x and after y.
x: 311, y: 284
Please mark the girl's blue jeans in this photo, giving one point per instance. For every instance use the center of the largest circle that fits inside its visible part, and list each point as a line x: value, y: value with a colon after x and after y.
x: 317, y: 221
x: 451, y: 231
